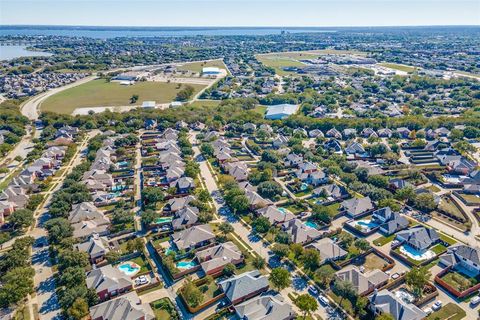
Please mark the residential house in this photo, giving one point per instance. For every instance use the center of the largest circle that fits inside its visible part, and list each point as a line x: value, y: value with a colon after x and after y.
x: 333, y: 146
x: 185, y: 217
x: 275, y: 215
x: 462, y: 256
x: 108, y: 282
x: 267, y: 307
x: 332, y: 192
x: 183, y: 185
x: 403, y: 132
x: 193, y: 237
x: 385, y: 302
x: 315, y: 133
x: 299, y: 232
x: 280, y: 141
x: 255, y: 201
x: 293, y: 160
x: 363, y: 282
x: 214, y: 259
x: 244, y: 286
x: 96, y: 247
x: 175, y: 204
x: 333, y: 133
x: 389, y: 221
x: 126, y: 307
x: 419, y: 237
x: 356, y: 207
x: 328, y: 249
x: 356, y: 149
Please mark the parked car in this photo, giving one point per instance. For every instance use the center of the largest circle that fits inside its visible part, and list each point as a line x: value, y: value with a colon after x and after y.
x: 475, y: 300
x: 437, y: 305
x: 323, y: 300
x: 141, y: 280
x: 313, y: 291
x: 428, y: 311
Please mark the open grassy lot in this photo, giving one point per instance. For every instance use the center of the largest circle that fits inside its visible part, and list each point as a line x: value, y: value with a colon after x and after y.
x: 471, y: 198
x: 164, y: 309
x: 460, y: 280
x: 198, y: 66
x: 383, y: 240
x: 450, y: 311
x: 399, y: 67
x: 207, y: 103
x: 99, y: 93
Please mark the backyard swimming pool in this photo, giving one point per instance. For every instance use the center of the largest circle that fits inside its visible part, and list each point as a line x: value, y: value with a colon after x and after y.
x: 163, y: 220
x: 304, y: 186
x: 415, y: 254
x: 365, y: 224
x: 311, y: 224
x: 186, y: 264
x: 129, y: 268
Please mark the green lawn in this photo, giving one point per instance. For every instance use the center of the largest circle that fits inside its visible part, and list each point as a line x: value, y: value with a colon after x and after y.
x: 450, y: 311
x: 383, y: 240
x: 459, y: 280
x: 399, y: 67
x: 99, y: 93
x: 447, y: 239
x: 471, y: 198
x: 278, y: 62
x: 260, y: 110
x: 439, y: 249
x: 198, y: 66
x: 164, y: 309
x: 205, y: 103
x: 142, y: 262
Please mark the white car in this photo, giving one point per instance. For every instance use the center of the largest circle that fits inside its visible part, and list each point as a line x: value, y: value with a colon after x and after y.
x: 141, y: 280
x: 323, y: 300
x: 475, y: 300
x: 437, y: 305
x: 428, y: 311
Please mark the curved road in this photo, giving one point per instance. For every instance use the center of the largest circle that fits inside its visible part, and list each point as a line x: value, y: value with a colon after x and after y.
x: 30, y: 108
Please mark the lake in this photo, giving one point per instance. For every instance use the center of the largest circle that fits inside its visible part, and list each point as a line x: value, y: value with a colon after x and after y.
x: 11, y: 52
x: 113, y: 32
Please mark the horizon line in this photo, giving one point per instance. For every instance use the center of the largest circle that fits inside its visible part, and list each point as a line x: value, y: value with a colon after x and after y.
x: 238, y: 27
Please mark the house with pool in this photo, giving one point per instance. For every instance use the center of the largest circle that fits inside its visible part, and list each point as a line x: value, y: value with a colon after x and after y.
x: 300, y: 232
x: 389, y: 221
x: 212, y: 260
x: 418, y: 245
x: 193, y: 237
x: 275, y: 215
x: 185, y: 218
x: 110, y: 281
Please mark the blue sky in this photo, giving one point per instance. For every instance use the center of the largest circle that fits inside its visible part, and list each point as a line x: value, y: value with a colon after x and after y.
x: 240, y: 12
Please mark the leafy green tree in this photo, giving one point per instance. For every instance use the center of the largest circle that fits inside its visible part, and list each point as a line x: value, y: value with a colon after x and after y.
x: 269, y: 189
x: 16, y: 285
x: 79, y: 309
x: 72, y: 258
x: 417, y: 278
x: 152, y: 195
x: 225, y: 228
x: 385, y: 316
x: 229, y: 269
x: 258, y: 262
x: 261, y: 225
x: 148, y: 217
x: 306, y: 303
x: 58, y: 229
x: 21, y: 218
x: 324, y: 276
x: 343, y: 289
x: 192, y: 294
x: 112, y: 256
x: 280, y: 278
x: 361, y: 306
x: 135, y: 245
x: 425, y: 202
x: 362, y: 245
x: 280, y: 249
x: 207, y: 149
x: 311, y: 259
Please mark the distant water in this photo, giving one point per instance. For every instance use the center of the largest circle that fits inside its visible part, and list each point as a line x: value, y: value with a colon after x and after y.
x: 12, y: 52
x: 114, y: 32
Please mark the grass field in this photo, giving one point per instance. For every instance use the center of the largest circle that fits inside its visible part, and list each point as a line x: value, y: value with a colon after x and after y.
x: 198, y: 66
x: 205, y: 103
x: 399, y: 67
x: 450, y: 311
x: 99, y: 93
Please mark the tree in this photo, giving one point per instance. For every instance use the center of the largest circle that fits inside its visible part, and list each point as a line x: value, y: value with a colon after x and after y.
x: 72, y: 276
x: 79, y: 309
x: 417, y: 278
x: 424, y: 202
x: 207, y: 149
x: 280, y: 278
x: 148, y: 217
x: 385, y: 316
x: 306, y: 303
x: 297, y: 250
x: 362, y: 245
x: 346, y: 238
x: 72, y: 258
x: 261, y: 225
x: 58, y: 229
x: 361, y: 306
x: 135, y: 245
x: 324, y: 276
x: 389, y: 202
x: 152, y: 195
x: 405, y: 193
x: 16, y: 285
x: 185, y: 94
x: 229, y: 269
x: 22, y: 218
x: 134, y: 98
x: 269, y: 189
x: 239, y: 203
x: 343, y: 289
x: 192, y: 294
x: 280, y: 249
x: 258, y: 262
x: 225, y: 228
x: 112, y: 256
x: 311, y: 259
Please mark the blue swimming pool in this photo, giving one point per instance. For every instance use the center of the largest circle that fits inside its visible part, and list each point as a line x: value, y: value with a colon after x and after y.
x: 118, y: 188
x: 311, y: 224
x: 367, y: 223
x: 186, y: 264
x: 129, y: 268
x: 304, y: 186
